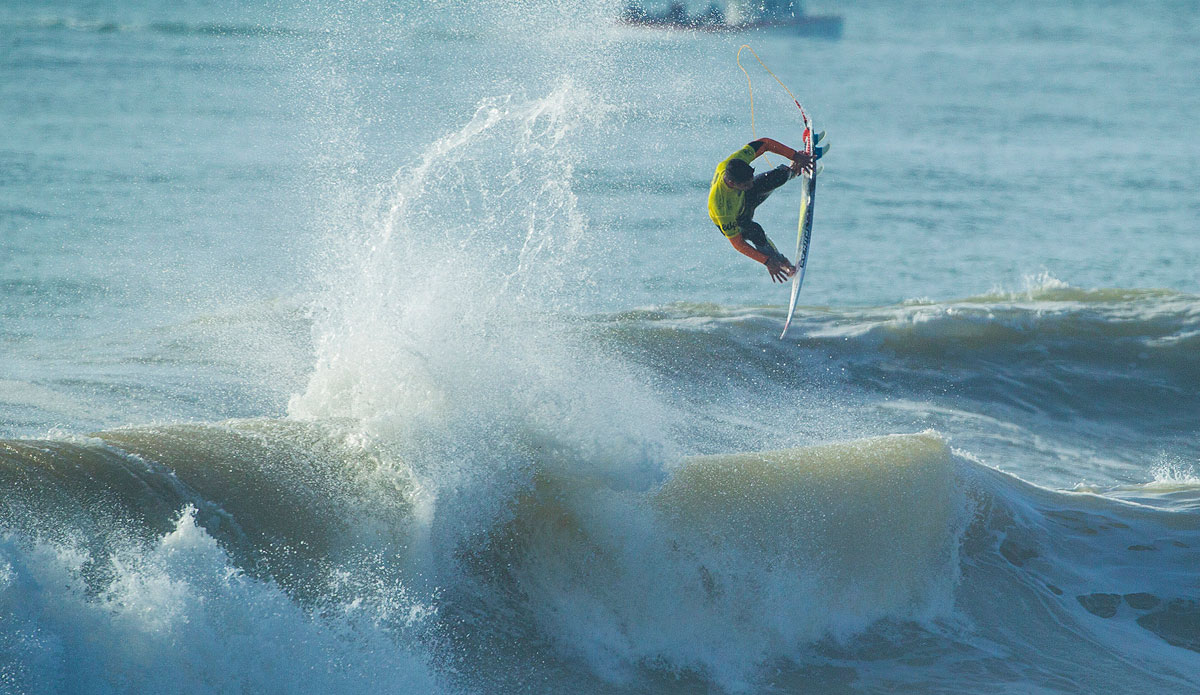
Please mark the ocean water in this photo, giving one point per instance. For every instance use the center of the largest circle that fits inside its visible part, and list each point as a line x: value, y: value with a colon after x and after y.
x: 387, y: 347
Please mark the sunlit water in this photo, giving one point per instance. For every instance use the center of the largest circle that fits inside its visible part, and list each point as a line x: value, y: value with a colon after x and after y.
x: 389, y: 347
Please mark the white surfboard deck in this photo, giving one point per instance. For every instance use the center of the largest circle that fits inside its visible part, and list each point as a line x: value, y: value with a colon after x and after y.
x: 803, y: 236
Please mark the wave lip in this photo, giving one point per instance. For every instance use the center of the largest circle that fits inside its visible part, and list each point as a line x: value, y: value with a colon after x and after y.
x: 873, y: 514
x: 741, y: 560
x: 285, y: 498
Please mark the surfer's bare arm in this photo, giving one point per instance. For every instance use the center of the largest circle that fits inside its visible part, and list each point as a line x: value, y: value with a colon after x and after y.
x: 763, y: 145
x: 801, y: 160
x: 747, y: 250
x: 778, y: 266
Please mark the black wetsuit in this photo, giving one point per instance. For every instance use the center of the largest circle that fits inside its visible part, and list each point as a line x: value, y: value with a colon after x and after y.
x: 764, y: 185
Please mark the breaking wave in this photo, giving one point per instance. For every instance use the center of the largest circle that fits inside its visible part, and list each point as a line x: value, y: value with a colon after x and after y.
x: 282, y: 542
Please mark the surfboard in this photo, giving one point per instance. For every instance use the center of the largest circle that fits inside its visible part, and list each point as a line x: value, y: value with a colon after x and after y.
x: 808, y: 197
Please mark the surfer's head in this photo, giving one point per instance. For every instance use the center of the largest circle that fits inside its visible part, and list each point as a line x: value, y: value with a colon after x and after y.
x: 739, y: 175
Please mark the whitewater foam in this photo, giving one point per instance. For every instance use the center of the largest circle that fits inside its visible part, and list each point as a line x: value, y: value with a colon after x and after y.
x: 180, y: 617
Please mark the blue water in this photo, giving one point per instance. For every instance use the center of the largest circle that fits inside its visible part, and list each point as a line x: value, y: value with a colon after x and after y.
x: 388, y: 346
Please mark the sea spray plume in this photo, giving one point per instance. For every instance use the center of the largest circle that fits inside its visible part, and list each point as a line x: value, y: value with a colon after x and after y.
x: 446, y: 329
x: 447, y: 241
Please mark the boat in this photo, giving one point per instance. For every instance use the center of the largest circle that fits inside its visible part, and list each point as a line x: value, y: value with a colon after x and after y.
x: 736, y: 16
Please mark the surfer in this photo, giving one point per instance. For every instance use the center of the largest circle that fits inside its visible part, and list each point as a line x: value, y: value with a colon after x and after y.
x: 736, y: 192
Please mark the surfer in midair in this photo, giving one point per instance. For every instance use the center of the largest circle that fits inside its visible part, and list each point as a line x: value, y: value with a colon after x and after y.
x: 736, y: 192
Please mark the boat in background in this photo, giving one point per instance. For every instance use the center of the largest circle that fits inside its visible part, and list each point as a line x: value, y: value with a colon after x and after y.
x: 737, y: 16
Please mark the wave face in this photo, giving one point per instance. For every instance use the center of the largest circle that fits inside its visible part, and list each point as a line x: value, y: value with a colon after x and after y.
x: 297, y: 555
x: 195, y: 559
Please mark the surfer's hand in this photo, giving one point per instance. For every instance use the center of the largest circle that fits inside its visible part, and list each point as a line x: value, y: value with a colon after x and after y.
x: 780, y: 269
x: 802, y: 162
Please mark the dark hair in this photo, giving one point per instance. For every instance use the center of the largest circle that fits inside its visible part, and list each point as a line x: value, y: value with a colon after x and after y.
x: 739, y: 171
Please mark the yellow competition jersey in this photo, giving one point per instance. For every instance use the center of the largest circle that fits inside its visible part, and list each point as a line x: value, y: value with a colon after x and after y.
x: 724, y: 203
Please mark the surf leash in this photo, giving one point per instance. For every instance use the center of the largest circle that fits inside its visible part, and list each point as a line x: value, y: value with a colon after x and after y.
x: 808, y: 195
x: 808, y: 143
